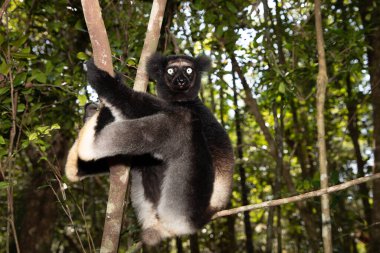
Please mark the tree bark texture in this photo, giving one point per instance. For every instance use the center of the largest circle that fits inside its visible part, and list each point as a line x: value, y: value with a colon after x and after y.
x: 119, y: 174
x: 321, y: 95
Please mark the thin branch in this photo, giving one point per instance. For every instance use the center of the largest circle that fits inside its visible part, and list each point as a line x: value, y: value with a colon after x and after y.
x: 322, y: 156
x: 150, y: 43
x: 297, y: 198
x: 3, y: 8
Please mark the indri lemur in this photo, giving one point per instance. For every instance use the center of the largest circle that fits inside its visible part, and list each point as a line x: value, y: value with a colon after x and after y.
x: 181, y: 158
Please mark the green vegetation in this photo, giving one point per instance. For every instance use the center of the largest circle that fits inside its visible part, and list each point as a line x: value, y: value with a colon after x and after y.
x: 272, y: 46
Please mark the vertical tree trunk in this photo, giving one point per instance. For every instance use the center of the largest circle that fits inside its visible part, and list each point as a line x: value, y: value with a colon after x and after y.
x: 321, y: 94
x: 276, y: 188
x: 278, y: 126
x: 178, y: 243
x: 351, y: 105
x: 228, y: 240
x: 244, y: 196
x: 194, y: 244
x: 370, y: 15
x: 270, y: 234
x: 354, y: 132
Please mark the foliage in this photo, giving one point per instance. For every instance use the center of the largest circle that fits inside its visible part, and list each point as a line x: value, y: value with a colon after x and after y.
x: 43, y: 89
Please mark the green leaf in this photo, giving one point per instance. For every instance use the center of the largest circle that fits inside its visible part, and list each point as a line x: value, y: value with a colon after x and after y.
x: 2, y: 141
x: 131, y: 61
x: 82, y: 56
x: 231, y: 7
x: 48, y: 67
x: 20, y: 79
x: 4, y: 90
x: 39, y: 76
x: 20, y: 107
x: 20, y: 41
x: 43, y: 129
x: 4, y: 68
x: 24, y: 56
x: 25, y: 50
x: 219, y: 31
x: 3, y: 185
x: 25, y: 144
x: 55, y: 126
x: 82, y: 100
x: 281, y: 88
x: 33, y: 136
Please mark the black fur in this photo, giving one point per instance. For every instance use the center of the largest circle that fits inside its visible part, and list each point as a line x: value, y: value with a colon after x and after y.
x: 157, y: 132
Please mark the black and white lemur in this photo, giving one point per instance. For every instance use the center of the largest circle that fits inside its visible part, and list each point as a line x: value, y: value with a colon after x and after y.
x: 181, y: 158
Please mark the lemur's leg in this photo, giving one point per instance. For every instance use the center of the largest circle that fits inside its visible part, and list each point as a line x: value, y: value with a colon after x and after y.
x: 148, y: 135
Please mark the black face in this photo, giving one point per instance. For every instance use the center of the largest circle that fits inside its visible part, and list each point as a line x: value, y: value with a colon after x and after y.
x: 180, y: 75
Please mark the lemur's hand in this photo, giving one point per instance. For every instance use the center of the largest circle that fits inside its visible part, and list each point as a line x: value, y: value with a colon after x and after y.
x: 98, y: 79
x: 89, y: 110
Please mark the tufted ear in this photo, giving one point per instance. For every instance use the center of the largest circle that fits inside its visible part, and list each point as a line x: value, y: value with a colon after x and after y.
x: 155, y: 66
x: 203, y: 63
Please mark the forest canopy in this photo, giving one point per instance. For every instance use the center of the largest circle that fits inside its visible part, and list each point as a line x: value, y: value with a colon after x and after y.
x: 262, y: 88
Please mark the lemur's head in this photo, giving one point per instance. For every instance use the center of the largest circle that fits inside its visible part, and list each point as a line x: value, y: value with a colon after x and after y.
x: 178, y: 76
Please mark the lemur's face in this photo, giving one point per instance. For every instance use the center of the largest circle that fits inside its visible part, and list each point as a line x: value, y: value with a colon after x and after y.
x: 180, y: 74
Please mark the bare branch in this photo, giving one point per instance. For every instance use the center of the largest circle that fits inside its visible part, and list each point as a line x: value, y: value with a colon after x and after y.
x: 98, y: 35
x: 322, y: 156
x: 150, y: 44
x: 297, y: 198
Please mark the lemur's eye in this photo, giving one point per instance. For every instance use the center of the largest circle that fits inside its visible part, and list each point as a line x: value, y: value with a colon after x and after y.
x: 170, y: 71
x: 189, y: 71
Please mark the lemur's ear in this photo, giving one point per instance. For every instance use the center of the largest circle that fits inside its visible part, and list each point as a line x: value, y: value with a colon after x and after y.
x: 202, y: 63
x: 155, y: 66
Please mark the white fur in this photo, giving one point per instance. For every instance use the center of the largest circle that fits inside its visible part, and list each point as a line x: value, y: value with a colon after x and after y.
x: 173, y: 215
x: 86, y: 140
x: 221, y: 192
x: 71, y: 168
x: 145, y: 210
x: 114, y: 111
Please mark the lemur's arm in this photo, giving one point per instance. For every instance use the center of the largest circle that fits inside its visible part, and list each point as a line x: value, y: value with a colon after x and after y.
x: 146, y: 135
x: 117, y: 95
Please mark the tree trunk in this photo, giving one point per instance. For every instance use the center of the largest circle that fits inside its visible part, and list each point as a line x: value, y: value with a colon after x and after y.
x: 354, y: 132
x: 244, y: 195
x: 278, y: 126
x: 322, y: 157
x: 194, y: 244
x: 178, y: 243
x: 370, y: 14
